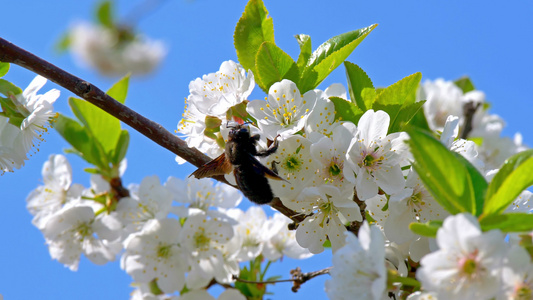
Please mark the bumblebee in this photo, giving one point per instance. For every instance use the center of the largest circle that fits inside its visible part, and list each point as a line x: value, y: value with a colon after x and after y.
x: 240, y: 156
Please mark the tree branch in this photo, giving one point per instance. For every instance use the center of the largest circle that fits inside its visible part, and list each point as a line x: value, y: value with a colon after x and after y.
x: 298, y: 278
x: 11, y: 53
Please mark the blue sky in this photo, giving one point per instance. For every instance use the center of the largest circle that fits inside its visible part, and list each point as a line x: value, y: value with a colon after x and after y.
x: 492, y: 43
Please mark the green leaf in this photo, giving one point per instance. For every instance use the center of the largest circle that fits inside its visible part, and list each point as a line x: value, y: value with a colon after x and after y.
x: 119, y: 90
x: 465, y: 84
x: 305, y: 49
x: 329, y: 56
x: 63, y: 43
x: 236, y: 112
x: 510, y: 222
x: 346, y: 110
x: 479, y: 183
x: 419, y: 120
x: 121, y: 148
x: 428, y: 229
x: 443, y: 174
x: 402, y: 92
x: 254, y: 28
x: 4, y: 68
x: 103, y: 127
x: 7, y: 88
x: 360, y: 87
x: 212, y: 126
x: 400, y: 115
x: 104, y: 14
x: 398, y: 100
x: 80, y: 138
x: 273, y: 65
x: 513, y: 177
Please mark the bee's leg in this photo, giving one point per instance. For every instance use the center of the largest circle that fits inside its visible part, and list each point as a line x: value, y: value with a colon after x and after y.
x: 273, y: 166
x: 270, y: 149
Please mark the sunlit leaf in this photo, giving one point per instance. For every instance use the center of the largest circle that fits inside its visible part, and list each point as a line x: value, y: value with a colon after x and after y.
x: 360, y: 87
x: 513, y: 177
x: 443, y: 174
x: 254, y: 28
x: 328, y: 56
x: 273, y: 65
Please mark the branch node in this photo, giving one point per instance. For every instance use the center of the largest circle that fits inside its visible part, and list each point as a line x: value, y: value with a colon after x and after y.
x: 83, y: 88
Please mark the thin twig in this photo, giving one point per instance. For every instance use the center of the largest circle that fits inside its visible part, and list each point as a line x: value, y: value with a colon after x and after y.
x: 11, y: 53
x: 469, y: 109
x: 356, y: 225
x: 298, y: 278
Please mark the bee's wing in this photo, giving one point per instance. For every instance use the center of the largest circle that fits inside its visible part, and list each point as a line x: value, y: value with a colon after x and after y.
x: 260, y: 168
x: 218, y: 166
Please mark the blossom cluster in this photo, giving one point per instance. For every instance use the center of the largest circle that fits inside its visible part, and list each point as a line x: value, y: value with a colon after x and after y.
x: 182, y: 233
x: 331, y: 167
x: 115, y: 51
x: 24, y: 118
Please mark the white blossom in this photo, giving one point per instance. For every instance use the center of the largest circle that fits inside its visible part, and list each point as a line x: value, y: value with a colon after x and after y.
x: 252, y: 231
x: 37, y: 111
x: 295, y: 164
x: 57, y: 190
x: 113, y: 52
x: 413, y: 204
x: 150, y: 201
x: 154, y: 253
x: 75, y: 229
x: 201, y: 195
x: 467, y: 149
x: 215, y: 93
x: 283, y: 242
x: 517, y: 275
x: 12, y: 154
x: 359, y: 267
x: 468, y: 261
x: 443, y: 98
x: 330, y: 155
x: 327, y: 212
x: 203, y: 239
x: 285, y: 110
x: 373, y: 157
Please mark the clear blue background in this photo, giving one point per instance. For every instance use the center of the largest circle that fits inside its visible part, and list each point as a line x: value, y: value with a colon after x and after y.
x: 489, y: 41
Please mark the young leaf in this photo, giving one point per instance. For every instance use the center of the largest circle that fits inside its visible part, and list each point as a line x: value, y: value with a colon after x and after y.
x: 419, y: 120
x: 428, y: 229
x: 273, y: 65
x: 121, y: 148
x: 119, y: 90
x: 362, y: 91
x: 254, y: 28
x: 513, y: 177
x: 346, y: 110
x: 329, y: 56
x: 103, y: 127
x: 104, y: 14
x: 7, y: 87
x: 305, y: 49
x: 402, y: 92
x: 443, y: 174
x: 510, y: 222
x: 63, y: 43
x: 465, y: 84
x: 479, y: 183
x: 4, y: 68
x: 398, y: 100
x: 80, y: 138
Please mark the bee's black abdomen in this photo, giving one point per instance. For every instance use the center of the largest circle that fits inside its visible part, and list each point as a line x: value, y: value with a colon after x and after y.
x: 253, y: 184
